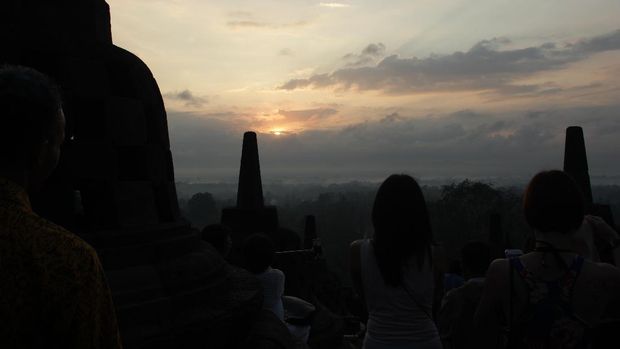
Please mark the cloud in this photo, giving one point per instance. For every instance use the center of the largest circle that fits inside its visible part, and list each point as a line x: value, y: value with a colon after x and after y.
x: 240, y: 14
x: 392, y: 118
x: 286, y: 52
x: 466, y: 143
x: 187, y: 97
x: 485, y: 66
x: 267, y: 25
x: 334, y: 4
x: 307, y: 114
x: 369, y: 54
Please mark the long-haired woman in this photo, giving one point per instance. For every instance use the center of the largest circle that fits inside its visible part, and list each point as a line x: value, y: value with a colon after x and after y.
x: 394, y: 271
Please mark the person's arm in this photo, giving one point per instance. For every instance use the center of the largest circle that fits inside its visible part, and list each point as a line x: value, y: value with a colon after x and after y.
x: 439, y: 270
x: 355, y: 265
x: 602, y: 232
x: 611, y: 285
x: 281, y: 282
x: 447, y: 318
x: 488, y: 315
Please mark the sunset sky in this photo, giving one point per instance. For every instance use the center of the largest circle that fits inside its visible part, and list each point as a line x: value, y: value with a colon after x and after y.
x: 360, y: 89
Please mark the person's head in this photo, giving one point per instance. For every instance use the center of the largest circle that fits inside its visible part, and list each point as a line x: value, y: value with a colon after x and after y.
x: 218, y: 235
x: 258, y: 253
x: 553, y: 203
x: 32, y: 123
x: 476, y: 257
x: 402, y: 227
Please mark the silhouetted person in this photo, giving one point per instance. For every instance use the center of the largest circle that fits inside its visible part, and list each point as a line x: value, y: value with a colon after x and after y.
x: 218, y: 235
x: 258, y: 255
x: 395, y: 270
x: 551, y: 297
x: 53, y: 292
x: 454, y: 276
x: 456, y: 316
x: 596, y: 239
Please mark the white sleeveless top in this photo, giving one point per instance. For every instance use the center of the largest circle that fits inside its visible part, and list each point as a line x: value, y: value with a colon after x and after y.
x: 273, y: 290
x: 394, y: 317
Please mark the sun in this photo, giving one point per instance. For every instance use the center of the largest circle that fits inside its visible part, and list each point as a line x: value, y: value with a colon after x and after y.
x: 278, y: 132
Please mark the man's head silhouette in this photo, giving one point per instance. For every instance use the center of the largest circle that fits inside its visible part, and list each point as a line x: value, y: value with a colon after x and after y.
x: 32, y: 125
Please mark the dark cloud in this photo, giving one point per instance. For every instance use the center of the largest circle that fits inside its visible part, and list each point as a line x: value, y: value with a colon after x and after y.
x: 466, y: 143
x: 392, y: 118
x: 307, y: 114
x: 483, y: 67
x: 369, y: 54
x: 187, y: 97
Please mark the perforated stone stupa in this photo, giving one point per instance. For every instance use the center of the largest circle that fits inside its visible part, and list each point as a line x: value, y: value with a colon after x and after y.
x: 115, y: 182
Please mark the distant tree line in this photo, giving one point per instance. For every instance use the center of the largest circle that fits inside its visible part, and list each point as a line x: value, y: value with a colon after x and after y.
x: 459, y: 212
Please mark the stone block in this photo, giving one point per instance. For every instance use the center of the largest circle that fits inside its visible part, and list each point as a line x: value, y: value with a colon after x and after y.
x: 99, y: 204
x: 135, y: 203
x: 125, y: 121
x: 91, y: 161
x: 86, y: 77
x: 136, y: 284
x: 166, y: 201
x: 157, y: 163
x: 132, y: 163
x: 87, y: 115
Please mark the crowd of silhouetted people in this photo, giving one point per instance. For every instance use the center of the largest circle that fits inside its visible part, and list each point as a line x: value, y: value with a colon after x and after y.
x: 557, y: 294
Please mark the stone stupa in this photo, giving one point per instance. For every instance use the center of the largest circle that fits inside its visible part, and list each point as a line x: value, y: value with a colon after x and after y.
x: 114, y: 185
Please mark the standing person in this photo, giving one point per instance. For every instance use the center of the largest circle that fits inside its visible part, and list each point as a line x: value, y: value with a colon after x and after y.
x: 551, y: 297
x: 53, y: 291
x: 456, y: 316
x: 394, y: 271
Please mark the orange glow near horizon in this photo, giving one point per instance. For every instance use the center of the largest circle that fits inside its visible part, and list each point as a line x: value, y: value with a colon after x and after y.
x: 277, y: 131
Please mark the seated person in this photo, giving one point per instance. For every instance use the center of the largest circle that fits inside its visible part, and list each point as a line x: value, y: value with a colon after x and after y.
x: 258, y: 255
x: 459, y: 305
x: 218, y: 235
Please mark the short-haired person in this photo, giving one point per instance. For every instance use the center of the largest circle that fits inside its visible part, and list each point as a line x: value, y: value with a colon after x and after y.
x: 395, y: 272
x: 258, y: 255
x: 551, y: 297
x: 53, y: 291
x: 455, y: 320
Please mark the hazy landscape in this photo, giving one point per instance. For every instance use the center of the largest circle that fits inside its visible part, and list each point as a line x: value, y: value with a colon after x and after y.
x: 459, y: 211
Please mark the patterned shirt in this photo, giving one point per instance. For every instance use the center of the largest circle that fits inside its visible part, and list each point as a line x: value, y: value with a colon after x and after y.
x: 53, y: 291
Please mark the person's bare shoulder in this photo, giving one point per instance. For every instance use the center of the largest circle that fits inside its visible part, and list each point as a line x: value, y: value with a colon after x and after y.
x: 356, y: 243
x: 609, y: 276
x: 498, y: 273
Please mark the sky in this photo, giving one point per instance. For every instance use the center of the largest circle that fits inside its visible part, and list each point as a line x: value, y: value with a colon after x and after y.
x: 360, y: 89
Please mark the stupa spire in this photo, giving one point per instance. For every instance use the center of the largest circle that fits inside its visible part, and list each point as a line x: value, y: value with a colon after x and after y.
x: 576, y: 160
x: 250, y: 190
